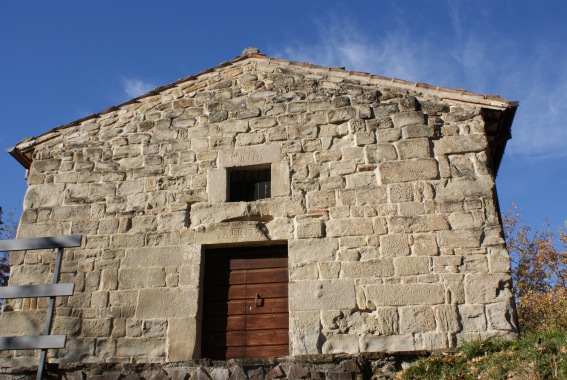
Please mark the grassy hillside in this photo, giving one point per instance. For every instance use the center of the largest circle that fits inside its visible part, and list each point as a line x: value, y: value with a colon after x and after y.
x: 536, y: 355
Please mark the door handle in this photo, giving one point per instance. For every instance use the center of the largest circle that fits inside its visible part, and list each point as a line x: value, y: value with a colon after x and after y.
x: 256, y: 300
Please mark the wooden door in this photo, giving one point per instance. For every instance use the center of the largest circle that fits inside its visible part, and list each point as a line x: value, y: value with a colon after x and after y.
x: 245, y: 308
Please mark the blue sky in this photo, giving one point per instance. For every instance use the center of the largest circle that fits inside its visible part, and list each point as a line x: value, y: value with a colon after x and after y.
x: 63, y: 60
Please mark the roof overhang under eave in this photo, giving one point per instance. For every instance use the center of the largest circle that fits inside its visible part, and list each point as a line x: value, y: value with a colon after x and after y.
x: 504, y: 133
x: 24, y: 159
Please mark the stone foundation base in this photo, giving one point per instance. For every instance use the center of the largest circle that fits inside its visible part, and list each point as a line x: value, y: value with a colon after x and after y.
x: 331, y: 367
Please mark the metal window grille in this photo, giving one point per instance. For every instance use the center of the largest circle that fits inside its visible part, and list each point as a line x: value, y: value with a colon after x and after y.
x: 249, y: 185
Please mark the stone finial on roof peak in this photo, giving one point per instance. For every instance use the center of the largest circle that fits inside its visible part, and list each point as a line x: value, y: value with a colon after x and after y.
x: 250, y: 50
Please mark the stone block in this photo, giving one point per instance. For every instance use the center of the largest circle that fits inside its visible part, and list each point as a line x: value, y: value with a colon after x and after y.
x: 337, y: 116
x: 189, y: 275
x: 79, y: 212
x: 305, y: 328
x: 341, y: 343
x: 182, y: 339
x: 329, y: 270
x: 407, y: 170
x: 280, y: 175
x: 96, y: 327
x: 321, y: 295
x: 17, y: 323
x: 472, y: 318
x: 64, y: 325
x: 349, y: 227
x: 253, y: 155
x: 312, y: 250
x: 387, y: 343
x: 304, y: 271
x: 405, y: 294
x: 487, y: 288
x: 415, y: 319
x: 373, y: 196
x: 386, y: 321
x: 167, y: 303
x: 460, y: 144
x: 135, y: 347
x: 501, y: 316
x: 123, y: 298
x: 217, y: 187
x: 425, y: 245
x: 416, y: 131
x: 447, y: 264
x: 431, y: 341
x: 321, y: 199
x: 30, y: 275
x: 474, y: 264
x: 401, y: 119
x: 380, y: 153
x: 361, y: 180
x: 414, y: 148
x: 160, y: 256
x: 408, y: 266
x: 135, y: 278
x: 460, y: 238
x: 310, y: 230
x: 203, y: 213
x: 393, y: 245
x: 458, y: 189
x: 447, y: 318
x: 220, y: 374
x: 367, y: 269
x: 498, y: 260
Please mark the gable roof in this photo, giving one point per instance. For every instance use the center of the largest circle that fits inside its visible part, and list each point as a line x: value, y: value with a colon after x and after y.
x: 23, y: 151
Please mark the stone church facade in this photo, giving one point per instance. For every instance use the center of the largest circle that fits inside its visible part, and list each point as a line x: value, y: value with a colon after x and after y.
x: 269, y: 208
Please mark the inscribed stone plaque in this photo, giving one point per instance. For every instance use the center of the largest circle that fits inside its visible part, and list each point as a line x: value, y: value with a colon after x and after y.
x: 232, y: 233
x: 255, y: 155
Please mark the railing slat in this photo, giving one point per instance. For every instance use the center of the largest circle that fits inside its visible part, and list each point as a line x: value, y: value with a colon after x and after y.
x: 41, y: 243
x: 32, y: 342
x: 32, y: 291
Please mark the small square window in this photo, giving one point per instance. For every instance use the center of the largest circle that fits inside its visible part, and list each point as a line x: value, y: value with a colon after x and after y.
x: 247, y: 185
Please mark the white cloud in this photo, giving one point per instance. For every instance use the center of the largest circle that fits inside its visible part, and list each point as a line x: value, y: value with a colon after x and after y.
x: 135, y: 87
x: 479, y: 61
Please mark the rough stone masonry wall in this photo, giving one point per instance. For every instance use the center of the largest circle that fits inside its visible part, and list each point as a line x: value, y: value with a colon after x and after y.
x: 384, y: 197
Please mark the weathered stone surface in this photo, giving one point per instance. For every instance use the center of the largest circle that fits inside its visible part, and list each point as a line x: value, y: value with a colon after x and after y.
x: 135, y: 278
x: 349, y: 227
x: 460, y: 144
x: 167, y: 303
x: 460, y: 238
x: 414, y: 148
x: 394, y: 245
x: 321, y: 295
x: 407, y: 170
x: 181, y: 339
x: 473, y: 318
x: 406, y: 266
x: 217, y: 185
x: 414, y: 319
x: 487, y: 288
x: 341, y: 343
x: 312, y: 250
x: 405, y: 294
x: 500, y: 316
x: 385, y: 343
x: 29, y: 322
x: 367, y: 269
x: 220, y: 374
